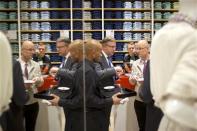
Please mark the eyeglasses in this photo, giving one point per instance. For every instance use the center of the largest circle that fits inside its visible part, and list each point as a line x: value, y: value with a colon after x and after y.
x: 59, y: 47
x: 30, y: 49
x: 140, y: 48
x: 111, y: 46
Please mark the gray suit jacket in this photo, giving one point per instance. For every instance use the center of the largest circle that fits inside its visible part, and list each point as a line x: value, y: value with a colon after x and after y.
x: 33, y: 72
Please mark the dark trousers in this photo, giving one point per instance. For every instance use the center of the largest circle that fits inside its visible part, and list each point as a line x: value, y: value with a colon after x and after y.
x: 12, y: 119
x: 30, y: 114
x: 140, y: 110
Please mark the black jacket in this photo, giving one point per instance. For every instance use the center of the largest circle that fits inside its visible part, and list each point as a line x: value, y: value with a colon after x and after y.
x: 94, y: 103
x: 153, y: 114
x: 13, y: 118
x: 107, y: 76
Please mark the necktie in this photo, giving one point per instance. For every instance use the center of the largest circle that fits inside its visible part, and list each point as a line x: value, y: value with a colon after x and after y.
x: 63, y: 62
x: 144, y: 69
x: 111, y: 65
x: 109, y: 61
x: 26, y: 71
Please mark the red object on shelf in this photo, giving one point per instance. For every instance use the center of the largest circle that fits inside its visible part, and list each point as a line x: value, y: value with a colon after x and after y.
x: 124, y: 82
x: 49, y: 81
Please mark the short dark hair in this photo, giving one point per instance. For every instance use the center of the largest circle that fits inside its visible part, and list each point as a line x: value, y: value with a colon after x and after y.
x: 67, y: 41
x: 107, y: 39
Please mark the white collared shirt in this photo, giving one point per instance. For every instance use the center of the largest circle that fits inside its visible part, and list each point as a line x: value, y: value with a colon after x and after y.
x: 106, y: 57
x: 66, y: 58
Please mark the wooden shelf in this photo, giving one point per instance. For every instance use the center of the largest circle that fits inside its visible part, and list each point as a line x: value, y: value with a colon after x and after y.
x: 97, y: 30
x: 127, y: 9
x: 45, y: 9
x: 39, y: 31
x: 92, y: 19
x: 46, y: 20
x: 77, y: 9
x: 91, y: 9
x: 8, y: 10
x: 130, y: 20
x: 77, y: 19
x: 132, y: 30
x: 165, y: 10
x: 87, y: 30
x: 126, y: 41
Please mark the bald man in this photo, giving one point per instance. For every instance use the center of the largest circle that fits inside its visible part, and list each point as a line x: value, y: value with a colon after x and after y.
x: 31, y: 71
x: 142, y: 49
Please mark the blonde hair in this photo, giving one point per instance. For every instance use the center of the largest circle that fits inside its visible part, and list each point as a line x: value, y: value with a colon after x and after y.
x: 6, y: 74
x: 91, y: 48
x: 106, y: 40
x: 76, y: 50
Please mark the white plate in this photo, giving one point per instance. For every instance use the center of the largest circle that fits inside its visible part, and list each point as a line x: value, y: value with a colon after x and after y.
x: 109, y: 87
x: 127, y: 74
x: 46, y: 102
x: 28, y: 82
x: 63, y: 88
x: 140, y: 79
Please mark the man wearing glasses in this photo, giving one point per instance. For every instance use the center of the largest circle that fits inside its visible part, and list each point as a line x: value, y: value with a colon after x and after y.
x: 142, y: 49
x: 33, y: 79
x: 107, y: 74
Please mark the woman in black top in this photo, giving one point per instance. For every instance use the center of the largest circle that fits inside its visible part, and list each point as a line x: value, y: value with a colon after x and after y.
x: 85, y: 106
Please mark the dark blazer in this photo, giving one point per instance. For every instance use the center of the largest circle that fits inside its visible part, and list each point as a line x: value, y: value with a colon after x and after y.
x: 107, y: 76
x: 13, y: 118
x: 94, y: 103
x: 153, y: 114
x: 64, y: 77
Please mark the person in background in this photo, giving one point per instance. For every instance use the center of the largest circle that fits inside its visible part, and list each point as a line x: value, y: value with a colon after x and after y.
x: 130, y: 57
x: 6, y: 73
x: 173, y: 69
x: 13, y: 118
x: 62, y: 45
x: 108, y: 49
x: 137, y: 78
x: 33, y: 79
x: 153, y: 113
x: 42, y: 59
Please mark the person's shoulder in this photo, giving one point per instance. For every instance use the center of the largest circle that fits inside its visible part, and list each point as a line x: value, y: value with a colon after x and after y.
x: 34, y: 63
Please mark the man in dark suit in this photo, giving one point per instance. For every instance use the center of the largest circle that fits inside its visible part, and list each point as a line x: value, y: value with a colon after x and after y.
x: 62, y: 45
x: 13, y: 118
x: 107, y: 74
x: 153, y: 114
x: 66, y: 71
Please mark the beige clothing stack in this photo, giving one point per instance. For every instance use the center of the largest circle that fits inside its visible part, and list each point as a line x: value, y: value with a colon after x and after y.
x: 174, y: 76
